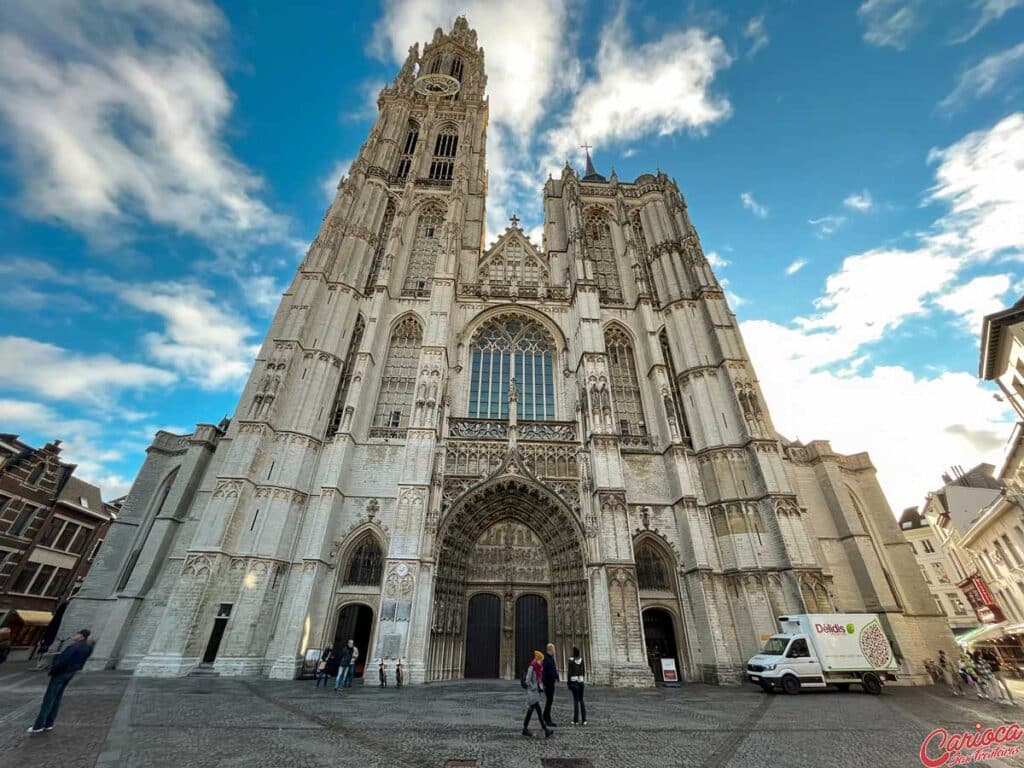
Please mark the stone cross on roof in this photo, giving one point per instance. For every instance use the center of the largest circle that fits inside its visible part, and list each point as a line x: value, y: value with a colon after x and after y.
x: 515, y: 221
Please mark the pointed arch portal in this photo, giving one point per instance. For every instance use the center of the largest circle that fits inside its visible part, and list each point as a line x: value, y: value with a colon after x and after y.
x: 513, y: 537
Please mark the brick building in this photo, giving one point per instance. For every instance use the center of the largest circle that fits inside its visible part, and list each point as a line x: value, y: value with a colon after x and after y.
x: 51, y: 527
x: 454, y: 453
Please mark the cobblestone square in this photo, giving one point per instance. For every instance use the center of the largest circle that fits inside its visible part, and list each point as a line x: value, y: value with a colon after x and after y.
x: 111, y: 719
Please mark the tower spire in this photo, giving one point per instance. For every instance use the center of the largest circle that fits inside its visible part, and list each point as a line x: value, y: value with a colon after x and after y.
x: 591, y: 173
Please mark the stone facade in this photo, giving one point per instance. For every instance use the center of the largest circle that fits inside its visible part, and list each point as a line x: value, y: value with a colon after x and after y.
x: 492, y: 447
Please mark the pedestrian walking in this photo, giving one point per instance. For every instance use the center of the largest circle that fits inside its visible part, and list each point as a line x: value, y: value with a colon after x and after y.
x: 321, y: 667
x: 5, y: 643
x: 331, y: 670
x: 997, y: 673
x: 347, y: 665
x: 399, y: 674
x: 951, y: 675
x: 550, y: 678
x: 533, y: 681
x: 577, y: 675
x: 970, y: 675
x: 64, y: 667
x: 382, y: 673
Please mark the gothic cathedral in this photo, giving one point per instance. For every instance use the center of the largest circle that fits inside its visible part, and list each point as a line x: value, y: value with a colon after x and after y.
x: 454, y: 453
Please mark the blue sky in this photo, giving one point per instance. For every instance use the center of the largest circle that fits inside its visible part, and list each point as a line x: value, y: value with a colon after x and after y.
x: 855, y: 171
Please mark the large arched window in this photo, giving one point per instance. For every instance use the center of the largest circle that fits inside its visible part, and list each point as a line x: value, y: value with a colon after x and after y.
x: 625, y: 386
x: 160, y: 499
x: 412, y: 134
x: 510, y: 347
x: 366, y: 566
x: 398, y: 381
x: 445, y: 147
x: 425, y: 248
x: 651, y: 572
x: 642, y: 254
x: 382, y: 244
x: 602, y: 253
x: 346, y: 376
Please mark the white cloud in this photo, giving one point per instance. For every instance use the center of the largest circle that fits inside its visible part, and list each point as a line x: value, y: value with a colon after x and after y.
x: 827, y: 225
x: 715, y: 260
x: 658, y: 87
x: 200, y: 340
x: 51, y: 371
x: 753, y: 206
x: 980, y: 178
x: 988, y: 11
x: 888, y: 22
x: 859, y: 201
x: 80, y: 442
x: 117, y: 115
x: 817, y: 371
x: 796, y: 266
x: 976, y: 298
x: 329, y: 183
x: 757, y: 34
x: 986, y: 76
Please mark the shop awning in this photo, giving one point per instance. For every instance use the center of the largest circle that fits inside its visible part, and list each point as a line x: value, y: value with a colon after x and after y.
x: 33, y: 618
x: 985, y: 632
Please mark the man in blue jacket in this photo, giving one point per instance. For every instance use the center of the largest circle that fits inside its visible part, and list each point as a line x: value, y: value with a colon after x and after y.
x: 64, y: 667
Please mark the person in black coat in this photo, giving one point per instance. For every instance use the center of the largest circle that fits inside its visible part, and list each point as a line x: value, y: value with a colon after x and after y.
x: 64, y: 667
x: 550, y: 678
x: 323, y: 667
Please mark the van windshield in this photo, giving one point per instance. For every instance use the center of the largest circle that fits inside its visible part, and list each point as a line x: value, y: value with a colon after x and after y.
x: 776, y: 646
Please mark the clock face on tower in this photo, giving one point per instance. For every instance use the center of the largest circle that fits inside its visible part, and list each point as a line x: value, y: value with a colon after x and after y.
x: 436, y: 85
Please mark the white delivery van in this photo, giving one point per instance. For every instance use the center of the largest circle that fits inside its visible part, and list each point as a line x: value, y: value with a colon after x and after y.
x: 816, y: 650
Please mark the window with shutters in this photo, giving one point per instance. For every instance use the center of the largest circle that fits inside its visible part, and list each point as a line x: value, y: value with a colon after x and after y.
x: 346, y: 377
x: 412, y: 135
x: 510, y: 347
x: 442, y: 164
x: 425, y: 248
x: 398, y: 380
x: 602, y: 253
x: 625, y: 386
x: 366, y: 566
x: 382, y: 243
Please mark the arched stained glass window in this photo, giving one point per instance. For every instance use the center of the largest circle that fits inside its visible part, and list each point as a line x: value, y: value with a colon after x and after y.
x: 629, y: 407
x: 346, y: 377
x: 650, y: 568
x: 425, y: 248
x: 602, y: 253
x: 405, y: 159
x: 366, y: 566
x: 398, y: 381
x: 507, y: 347
x: 382, y: 244
x: 445, y: 147
x: 680, y: 412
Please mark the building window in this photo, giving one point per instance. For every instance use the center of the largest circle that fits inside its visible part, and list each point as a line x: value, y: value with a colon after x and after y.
x: 926, y: 545
x: 680, y: 412
x: 625, y: 386
x: 456, y: 70
x: 382, y: 243
x: 405, y: 160
x: 942, y: 608
x: 912, y: 547
x: 602, y: 253
x: 36, y: 473
x: 650, y: 568
x: 22, y: 520
x: 4, y: 502
x: 959, y: 608
x: 512, y: 347
x: 367, y: 563
x: 445, y: 147
x: 1014, y: 553
x: 425, y: 247
x: 927, y: 578
x: 346, y: 376
x: 95, y: 549
x: 398, y: 379
x: 636, y: 229
x: 514, y: 266
x: 940, y: 573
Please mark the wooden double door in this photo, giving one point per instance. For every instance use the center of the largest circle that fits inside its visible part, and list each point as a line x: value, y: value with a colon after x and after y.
x: 484, y: 633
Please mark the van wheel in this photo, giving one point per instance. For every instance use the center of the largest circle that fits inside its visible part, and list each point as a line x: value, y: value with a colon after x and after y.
x: 871, y: 683
x: 790, y: 684
x: 844, y: 687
